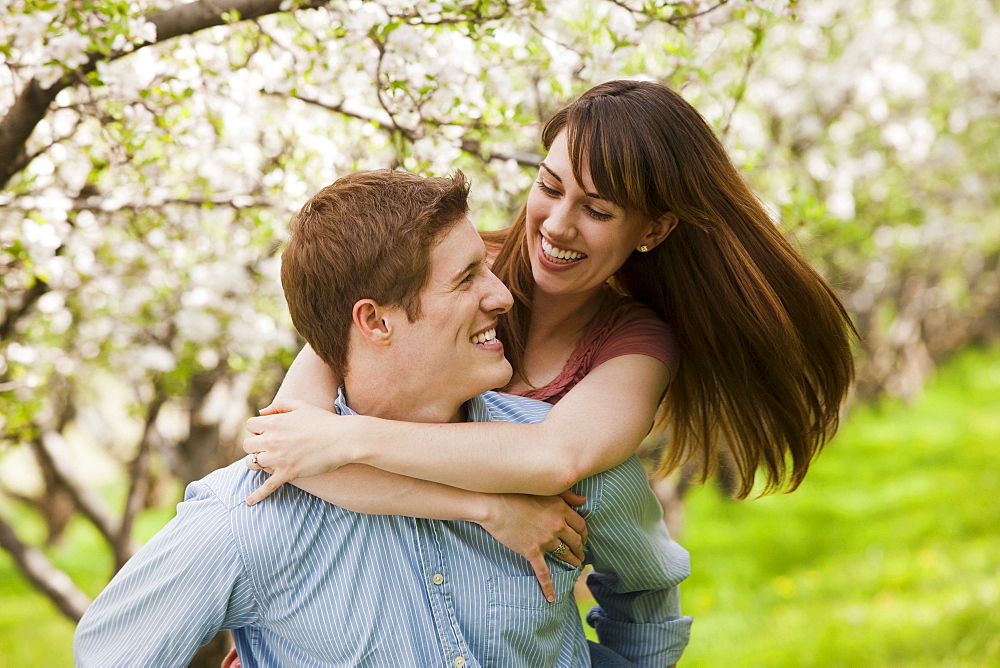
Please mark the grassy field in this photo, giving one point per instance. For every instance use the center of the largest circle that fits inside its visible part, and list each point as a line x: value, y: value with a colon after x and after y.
x: 889, y: 555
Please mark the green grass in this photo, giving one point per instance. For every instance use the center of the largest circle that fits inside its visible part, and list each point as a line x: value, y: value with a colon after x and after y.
x: 33, y: 633
x: 889, y: 554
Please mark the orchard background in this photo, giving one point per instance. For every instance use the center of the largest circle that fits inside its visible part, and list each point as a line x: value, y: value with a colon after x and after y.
x: 152, y: 152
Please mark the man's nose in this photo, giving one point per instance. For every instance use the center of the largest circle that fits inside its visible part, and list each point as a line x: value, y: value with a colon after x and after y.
x: 497, y: 297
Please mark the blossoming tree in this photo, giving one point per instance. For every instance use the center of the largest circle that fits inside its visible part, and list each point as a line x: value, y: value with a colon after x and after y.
x: 151, y: 152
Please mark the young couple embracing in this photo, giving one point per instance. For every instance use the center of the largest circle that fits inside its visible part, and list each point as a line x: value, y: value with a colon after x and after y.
x: 433, y: 521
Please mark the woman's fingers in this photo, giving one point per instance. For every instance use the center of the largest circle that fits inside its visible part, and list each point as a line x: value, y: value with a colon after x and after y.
x: 572, y: 498
x: 574, y: 542
x: 252, y: 461
x: 265, y: 490
x: 577, y: 524
x: 249, y: 440
x: 258, y: 423
x: 570, y: 558
x: 543, y: 576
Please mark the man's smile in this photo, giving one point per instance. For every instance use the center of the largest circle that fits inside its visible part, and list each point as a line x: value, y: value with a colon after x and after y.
x: 486, y: 338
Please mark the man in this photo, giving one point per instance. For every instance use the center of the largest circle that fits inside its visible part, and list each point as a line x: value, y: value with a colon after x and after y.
x: 387, y: 279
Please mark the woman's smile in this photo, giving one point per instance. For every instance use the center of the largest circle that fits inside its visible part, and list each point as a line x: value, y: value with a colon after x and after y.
x: 560, y: 258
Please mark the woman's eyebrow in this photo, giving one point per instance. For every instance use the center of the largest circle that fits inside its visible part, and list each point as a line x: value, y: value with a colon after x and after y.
x: 546, y: 168
x: 556, y: 177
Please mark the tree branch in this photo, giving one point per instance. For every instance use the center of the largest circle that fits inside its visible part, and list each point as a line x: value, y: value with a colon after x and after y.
x: 525, y: 159
x: 668, y: 14
x: 86, y: 203
x: 337, y: 108
x: 138, y: 474
x: 470, y: 146
x: 32, y: 104
x: 43, y: 575
x: 741, y: 88
x: 53, y: 456
x: 33, y: 294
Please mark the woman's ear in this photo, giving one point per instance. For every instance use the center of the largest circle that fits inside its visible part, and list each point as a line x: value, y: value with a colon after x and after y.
x: 659, y: 230
x: 370, y: 320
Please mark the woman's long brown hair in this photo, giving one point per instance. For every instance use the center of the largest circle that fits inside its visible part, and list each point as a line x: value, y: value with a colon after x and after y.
x: 763, y: 340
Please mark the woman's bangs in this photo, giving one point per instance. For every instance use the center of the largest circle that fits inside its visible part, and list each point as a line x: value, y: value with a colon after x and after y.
x: 609, y: 149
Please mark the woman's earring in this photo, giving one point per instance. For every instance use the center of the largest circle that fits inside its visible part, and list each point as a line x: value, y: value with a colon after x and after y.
x: 644, y: 248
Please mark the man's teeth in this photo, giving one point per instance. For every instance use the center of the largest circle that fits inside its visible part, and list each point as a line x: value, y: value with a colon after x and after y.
x: 484, y: 337
x: 560, y: 255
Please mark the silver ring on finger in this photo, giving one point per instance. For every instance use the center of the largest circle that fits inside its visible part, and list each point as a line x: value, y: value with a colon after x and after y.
x: 253, y: 460
x: 559, y: 551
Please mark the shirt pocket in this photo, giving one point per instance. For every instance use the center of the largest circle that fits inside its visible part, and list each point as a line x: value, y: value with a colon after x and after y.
x: 523, y: 629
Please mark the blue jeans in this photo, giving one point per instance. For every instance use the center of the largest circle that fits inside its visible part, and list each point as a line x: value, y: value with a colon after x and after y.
x: 602, y: 657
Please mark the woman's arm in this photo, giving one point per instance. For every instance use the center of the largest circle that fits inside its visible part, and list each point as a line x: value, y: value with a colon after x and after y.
x: 528, y: 525
x: 596, y: 426
x: 309, y: 379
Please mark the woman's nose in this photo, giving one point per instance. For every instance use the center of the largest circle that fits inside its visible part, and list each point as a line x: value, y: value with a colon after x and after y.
x: 558, y: 224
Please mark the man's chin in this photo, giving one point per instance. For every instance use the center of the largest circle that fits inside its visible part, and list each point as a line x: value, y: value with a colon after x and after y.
x: 504, y: 376
x: 496, y: 379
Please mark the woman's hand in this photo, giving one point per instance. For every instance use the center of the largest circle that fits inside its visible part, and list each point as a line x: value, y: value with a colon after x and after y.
x: 294, y: 440
x: 534, y: 525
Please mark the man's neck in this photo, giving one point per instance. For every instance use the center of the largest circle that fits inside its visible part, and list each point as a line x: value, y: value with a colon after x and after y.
x: 379, y: 400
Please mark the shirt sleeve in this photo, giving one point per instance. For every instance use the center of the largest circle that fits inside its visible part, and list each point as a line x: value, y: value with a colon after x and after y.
x: 174, y: 595
x: 639, y: 331
x: 637, y: 569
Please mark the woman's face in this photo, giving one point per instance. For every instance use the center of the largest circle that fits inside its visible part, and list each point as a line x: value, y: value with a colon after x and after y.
x: 576, y: 240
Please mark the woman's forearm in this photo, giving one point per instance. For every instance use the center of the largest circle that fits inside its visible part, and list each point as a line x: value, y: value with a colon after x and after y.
x: 308, y: 379
x: 490, y: 457
x: 596, y: 426
x: 528, y: 525
x: 368, y: 490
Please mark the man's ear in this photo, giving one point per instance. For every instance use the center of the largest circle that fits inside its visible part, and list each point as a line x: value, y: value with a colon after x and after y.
x: 371, y: 321
x: 660, y: 230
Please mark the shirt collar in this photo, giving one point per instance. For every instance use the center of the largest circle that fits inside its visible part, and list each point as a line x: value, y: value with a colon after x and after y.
x: 476, y: 409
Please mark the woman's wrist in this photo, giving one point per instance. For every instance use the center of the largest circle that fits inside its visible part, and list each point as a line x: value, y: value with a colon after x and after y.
x: 357, y: 446
x: 484, y: 509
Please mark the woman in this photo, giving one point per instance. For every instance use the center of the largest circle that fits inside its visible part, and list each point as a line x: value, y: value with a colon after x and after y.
x: 648, y: 280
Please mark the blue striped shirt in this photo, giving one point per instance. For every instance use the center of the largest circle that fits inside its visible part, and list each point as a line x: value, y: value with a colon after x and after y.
x: 302, y: 582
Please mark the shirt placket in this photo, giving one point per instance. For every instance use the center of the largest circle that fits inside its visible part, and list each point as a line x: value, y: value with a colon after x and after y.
x: 441, y: 586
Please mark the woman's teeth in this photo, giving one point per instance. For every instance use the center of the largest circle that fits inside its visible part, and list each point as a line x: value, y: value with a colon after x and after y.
x: 560, y: 255
x: 484, y: 337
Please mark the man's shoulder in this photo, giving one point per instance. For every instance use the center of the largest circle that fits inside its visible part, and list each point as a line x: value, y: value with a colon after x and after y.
x: 227, y: 490
x: 230, y: 485
x: 505, y: 407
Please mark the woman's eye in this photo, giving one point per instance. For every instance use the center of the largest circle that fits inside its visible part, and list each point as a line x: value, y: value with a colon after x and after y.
x: 597, y: 215
x: 551, y: 192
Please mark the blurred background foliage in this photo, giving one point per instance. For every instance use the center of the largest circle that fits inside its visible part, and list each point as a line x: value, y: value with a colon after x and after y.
x: 151, y: 152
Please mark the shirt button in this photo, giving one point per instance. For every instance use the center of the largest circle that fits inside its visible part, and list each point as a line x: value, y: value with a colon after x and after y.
x: 459, y: 661
x: 438, y: 579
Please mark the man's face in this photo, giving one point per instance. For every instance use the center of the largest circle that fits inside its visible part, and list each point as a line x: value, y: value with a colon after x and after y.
x: 450, y: 353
